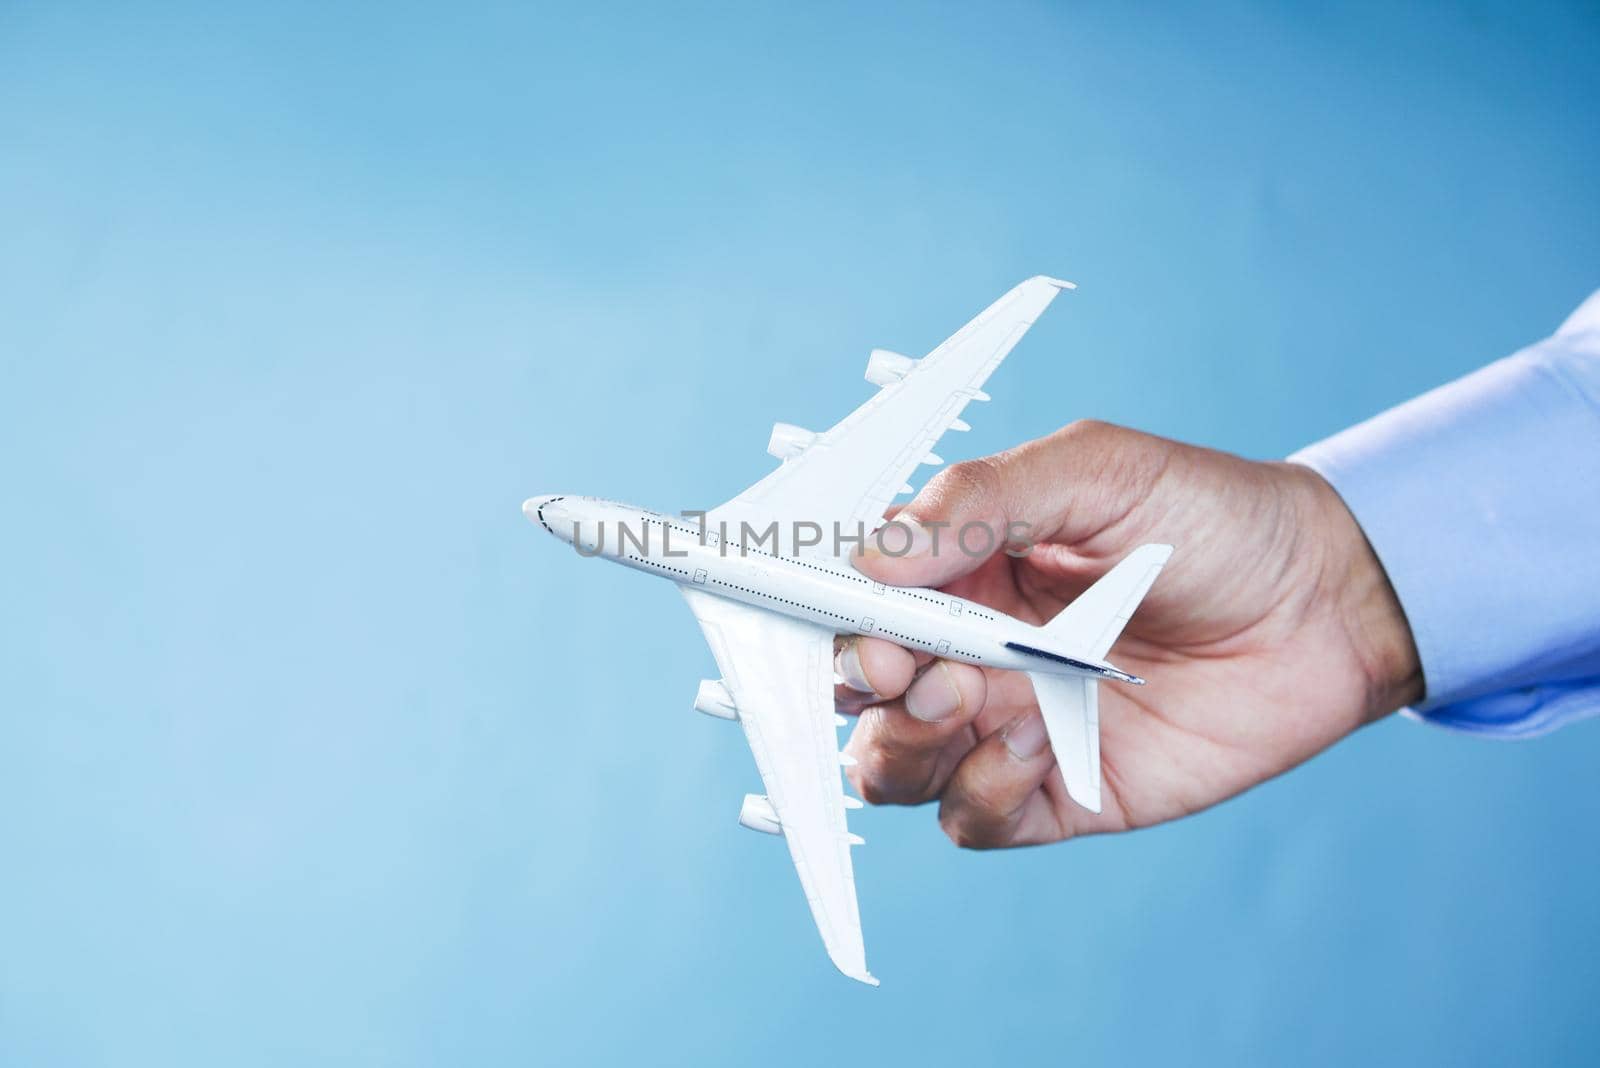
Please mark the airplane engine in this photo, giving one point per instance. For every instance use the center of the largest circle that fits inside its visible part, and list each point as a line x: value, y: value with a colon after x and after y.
x: 714, y: 699
x: 789, y: 441
x: 758, y: 814
x: 884, y: 368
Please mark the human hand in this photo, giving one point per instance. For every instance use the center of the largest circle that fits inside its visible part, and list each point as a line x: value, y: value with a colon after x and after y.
x: 1272, y: 633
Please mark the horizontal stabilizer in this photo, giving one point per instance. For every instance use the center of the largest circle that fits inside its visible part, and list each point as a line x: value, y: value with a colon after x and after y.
x: 1071, y: 708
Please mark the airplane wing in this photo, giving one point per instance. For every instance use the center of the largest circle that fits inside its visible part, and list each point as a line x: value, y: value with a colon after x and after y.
x: 780, y: 673
x: 850, y: 473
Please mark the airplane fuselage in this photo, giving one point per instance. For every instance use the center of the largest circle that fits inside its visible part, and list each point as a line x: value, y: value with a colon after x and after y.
x: 814, y: 589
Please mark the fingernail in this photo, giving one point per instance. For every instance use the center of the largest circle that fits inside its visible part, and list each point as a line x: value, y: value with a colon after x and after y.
x: 848, y: 666
x: 934, y: 696
x: 898, y: 539
x: 1026, y: 737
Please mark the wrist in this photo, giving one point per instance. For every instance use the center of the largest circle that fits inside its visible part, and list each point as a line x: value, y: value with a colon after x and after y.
x: 1352, y: 582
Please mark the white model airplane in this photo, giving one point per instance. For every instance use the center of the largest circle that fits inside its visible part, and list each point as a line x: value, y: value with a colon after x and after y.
x: 772, y: 586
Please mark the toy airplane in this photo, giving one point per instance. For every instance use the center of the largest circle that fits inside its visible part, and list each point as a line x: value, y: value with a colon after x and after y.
x: 768, y: 576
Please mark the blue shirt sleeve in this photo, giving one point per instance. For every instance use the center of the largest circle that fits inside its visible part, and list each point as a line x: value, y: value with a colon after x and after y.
x: 1482, y: 500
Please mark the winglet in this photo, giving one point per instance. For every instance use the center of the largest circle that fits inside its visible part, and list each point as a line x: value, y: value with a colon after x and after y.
x: 853, y: 969
x: 862, y: 976
x: 1058, y: 282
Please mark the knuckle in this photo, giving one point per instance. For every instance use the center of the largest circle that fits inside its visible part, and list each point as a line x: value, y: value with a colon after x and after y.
x: 969, y: 480
x: 1087, y: 428
x: 869, y: 793
x: 962, y: 831
x: 1106, y: 443
x: 881, y: 780
x: 1081, y: 437
x: 866, y: 786
x: 978, y: 796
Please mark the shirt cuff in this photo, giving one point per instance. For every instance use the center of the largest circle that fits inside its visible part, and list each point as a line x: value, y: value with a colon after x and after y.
x: 1482, y: 501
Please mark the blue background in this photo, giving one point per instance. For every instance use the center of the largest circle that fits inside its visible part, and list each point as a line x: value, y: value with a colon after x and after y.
x: 313, y: 751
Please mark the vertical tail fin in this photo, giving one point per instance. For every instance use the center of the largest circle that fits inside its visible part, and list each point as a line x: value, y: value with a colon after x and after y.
x: 1086, y: 628
x: 1089, y: 625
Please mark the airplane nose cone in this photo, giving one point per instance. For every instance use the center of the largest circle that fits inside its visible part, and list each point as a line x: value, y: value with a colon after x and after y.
x: 542, y: 510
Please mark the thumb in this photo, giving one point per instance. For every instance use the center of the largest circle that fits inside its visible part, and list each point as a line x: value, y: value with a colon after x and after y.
x: 1067, y: 486
x: 956, y: 523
